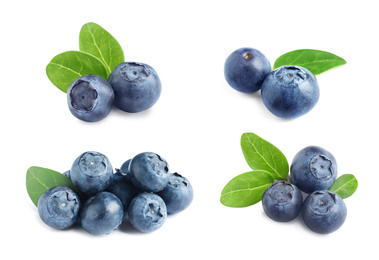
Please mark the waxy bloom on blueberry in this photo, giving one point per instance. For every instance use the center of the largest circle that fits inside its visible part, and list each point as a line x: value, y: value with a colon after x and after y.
x: 324, y: 211
x: 59, y: 207
x: 91, y: 172
x: 290, y: 91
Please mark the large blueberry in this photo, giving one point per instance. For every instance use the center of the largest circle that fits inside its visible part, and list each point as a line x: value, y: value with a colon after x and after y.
x: 282, y: 201
x: 245, y: 69
x: 90, y: 98
x: 59, y: 207
x: 178, y: 193
x: 313, y: 168
x: 147, y: 212
x: 290, y: 91
x: 91, y: 172
x: 102, y: 213
x: 137, y: 86
x: 149, y: 172
x: 324, y: 211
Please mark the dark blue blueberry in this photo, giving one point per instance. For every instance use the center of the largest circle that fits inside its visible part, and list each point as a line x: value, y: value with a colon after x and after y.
x: 91, y: 172
x: 147, y: 212
x: 122, y: 173
x: 125, y: 191
x: 313, y: 168
x: 290, y: 91
x: 137, y: 86
x: 102, y: 213
x: 149, y: 172
x: 246, y: 69
x: 178, y: 194
x: 324, y: 211
x: 59, y: 207
x: 90, y: 98
x: 282, y: 201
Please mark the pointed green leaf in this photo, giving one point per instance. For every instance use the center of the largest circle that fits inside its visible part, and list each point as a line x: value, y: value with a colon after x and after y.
x: 345, y: 185
x: 262, y: 155
x: 66, y: 67
x: 39, y: 179
x: 246, y: 189
x: 314, y: 60
x: 100, y: 43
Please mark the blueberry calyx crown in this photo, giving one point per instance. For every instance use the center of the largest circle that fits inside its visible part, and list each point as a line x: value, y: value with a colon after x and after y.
x: 153, y: 211
x: 83, y: 96
x: 291, y: 76
x: 178, y: 180
x: 323, y: 202
x: 62, y: 205
x: 321, y: 167
x: 158, y: 164
x: 281, y: 191
x: 93, y: 164
x: 133, y: 71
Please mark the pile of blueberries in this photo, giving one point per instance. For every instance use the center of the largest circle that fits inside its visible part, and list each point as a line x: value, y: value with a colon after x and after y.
x: 131, y: 87
x: 313, y: 171
x: 287, y: 92
x: 143, y: 191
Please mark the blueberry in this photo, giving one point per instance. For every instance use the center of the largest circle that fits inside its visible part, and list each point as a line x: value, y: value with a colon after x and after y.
x: 123, y: 171
x: 324, y: 211
x: 91, y: 172
x: 125, y: 191
x: 59, y: 207
x: 178, y: 194
x: 149, y: 172
x: 313, y: 168
x: 90, y: 98
x: 245, y: 69
x: 290, y: 91
x: 282, y: 201
x: 147, y: 212
x: 137, y: 86
x: 102, y: 213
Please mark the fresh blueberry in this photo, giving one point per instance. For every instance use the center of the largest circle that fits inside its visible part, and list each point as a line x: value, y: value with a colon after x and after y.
x: 290, y: 91
x: 313, y: 168
x: 125, y: 191
x: 245, y: 69
x: 137, y: 86
x: 282, y: 201
x: 149, y: 172
x: 324, y: 211
x: 122, y: 173
x: 147, y: 212
x: 90, y: 98
x: 91, y: 172
x: 59, y: 207
x: 102, y: 213
x: 178, y: 194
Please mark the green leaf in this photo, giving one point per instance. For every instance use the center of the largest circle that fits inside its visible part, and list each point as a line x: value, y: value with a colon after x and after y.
x: 314, y: 60
x: 66, y: 67
x: 39, y: 180
x: 100, y: 43
x: 262, y: 155
x: 246, y: 189
x: 345, y: 185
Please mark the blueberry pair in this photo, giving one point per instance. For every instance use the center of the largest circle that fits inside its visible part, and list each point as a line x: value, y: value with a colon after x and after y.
x: 287, y: 92
x: 313, y: 171
x: 132, y: 87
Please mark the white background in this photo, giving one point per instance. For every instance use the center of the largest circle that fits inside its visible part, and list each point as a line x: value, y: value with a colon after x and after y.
x: 196, y: 125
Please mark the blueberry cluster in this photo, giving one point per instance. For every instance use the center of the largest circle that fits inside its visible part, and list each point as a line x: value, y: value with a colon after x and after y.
x: 132, y: 87
x: 313, y: 171
x: 143, y: 191
x: 287, y: 92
